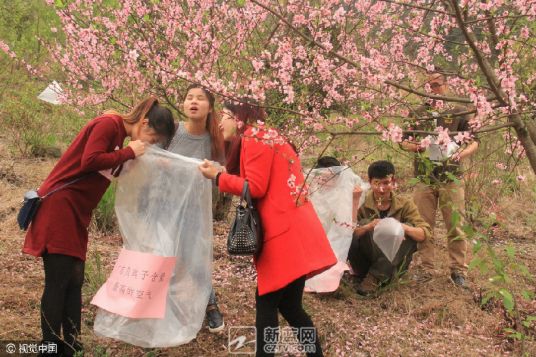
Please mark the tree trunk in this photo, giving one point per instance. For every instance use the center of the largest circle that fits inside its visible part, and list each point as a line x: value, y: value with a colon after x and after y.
x: 526, y: 140
x: 519, y: 125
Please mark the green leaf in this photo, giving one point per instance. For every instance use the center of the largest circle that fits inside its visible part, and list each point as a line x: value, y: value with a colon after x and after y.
x: 455, y: 218
x: 477, y: 246
x: 528, y: 321
x: 59, y: 4
x: 452, y: 177
x: 513, y: 333
x: 524, y: 270
x: 476, y: 262
x: 240, y: 3
x: 497, y: 278
x: 469, y: 231
x: 508, y: 299
x: 511, y: 252
x: 413, y: 181
x: 146, y: 17
x: 527, y: 295
x: 487, y: 297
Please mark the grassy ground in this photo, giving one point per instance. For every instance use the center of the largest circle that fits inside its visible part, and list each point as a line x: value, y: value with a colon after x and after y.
x: 409, y: 319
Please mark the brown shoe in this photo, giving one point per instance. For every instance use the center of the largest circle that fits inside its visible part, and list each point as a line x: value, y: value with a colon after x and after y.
x: 422, y: 276
x: 369, y: 286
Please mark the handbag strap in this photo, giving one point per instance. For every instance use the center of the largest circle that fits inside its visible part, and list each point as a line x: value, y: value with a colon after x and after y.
x: 64, y: 185
x: 246, y: 196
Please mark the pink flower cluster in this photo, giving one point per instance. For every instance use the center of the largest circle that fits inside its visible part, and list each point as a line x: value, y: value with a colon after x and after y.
x: 308, y: 61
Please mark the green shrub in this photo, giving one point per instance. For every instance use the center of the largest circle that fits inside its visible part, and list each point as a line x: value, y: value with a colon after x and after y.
x: 94, y: 275
x: 104, y: 214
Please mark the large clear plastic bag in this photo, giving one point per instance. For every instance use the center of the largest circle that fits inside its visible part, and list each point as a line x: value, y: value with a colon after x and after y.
x: 331, y: 194
x: 388, y: 236
x: 163, y: 205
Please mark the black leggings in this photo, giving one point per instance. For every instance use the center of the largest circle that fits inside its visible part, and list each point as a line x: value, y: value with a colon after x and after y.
x: 61, y: 303
x: 288, y: 301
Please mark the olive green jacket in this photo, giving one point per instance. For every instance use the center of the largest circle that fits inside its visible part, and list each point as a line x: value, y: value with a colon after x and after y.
x: 402, y: 209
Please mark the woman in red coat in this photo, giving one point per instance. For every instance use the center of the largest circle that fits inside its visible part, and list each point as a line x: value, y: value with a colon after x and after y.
x: 295, y: 244
x: 58, y: 232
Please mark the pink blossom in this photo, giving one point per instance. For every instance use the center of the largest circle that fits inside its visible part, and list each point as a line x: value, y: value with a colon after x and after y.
x: 443, y: 137
x: 521, y: 178
x: 525, y: 33
x: 462, y: 137
x: 393, y: 133
x: 4, y: 47
x: 238, y: 51
x: 317, y: 126
x: 291, y: 182
x: 426, y: 142
x: 257, y: 65
x: 133, y: 54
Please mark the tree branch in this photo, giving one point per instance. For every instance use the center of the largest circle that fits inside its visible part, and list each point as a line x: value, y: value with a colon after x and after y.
x: 433, y: 96
x: 494, y: 18
x: 483, y: 64
x: 420, y: 132
x: 521, y: 129
x: 417, y: 7
x: 354, y: 64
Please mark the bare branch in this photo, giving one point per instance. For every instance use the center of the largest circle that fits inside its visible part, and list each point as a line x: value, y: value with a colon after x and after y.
x: 495, y: 18
x: 354, y: 64
x: 420, y: 132
x: 410, y: 5
x: 483, y: 64
x: 432, y: 96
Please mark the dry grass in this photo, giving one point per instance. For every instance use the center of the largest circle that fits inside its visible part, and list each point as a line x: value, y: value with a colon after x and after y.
x: 409, y: 319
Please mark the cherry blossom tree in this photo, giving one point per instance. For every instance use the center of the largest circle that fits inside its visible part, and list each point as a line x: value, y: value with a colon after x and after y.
x: 323, y: 69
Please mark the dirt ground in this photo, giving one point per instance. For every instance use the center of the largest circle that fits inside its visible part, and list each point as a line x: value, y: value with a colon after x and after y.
x: 428, y: 319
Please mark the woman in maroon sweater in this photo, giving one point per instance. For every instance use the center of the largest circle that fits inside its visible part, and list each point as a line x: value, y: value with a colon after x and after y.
x: 59, y: 233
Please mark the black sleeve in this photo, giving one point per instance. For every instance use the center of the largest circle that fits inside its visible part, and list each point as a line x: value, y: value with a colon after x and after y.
x: 413, y: 122
x: 464, y: 126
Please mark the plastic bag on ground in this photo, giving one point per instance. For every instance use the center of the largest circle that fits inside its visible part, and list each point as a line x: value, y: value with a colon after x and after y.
x: 331, y: 194
x: 163, y: 205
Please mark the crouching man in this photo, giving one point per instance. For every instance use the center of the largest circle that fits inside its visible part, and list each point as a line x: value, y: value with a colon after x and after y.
x: 371, y: 265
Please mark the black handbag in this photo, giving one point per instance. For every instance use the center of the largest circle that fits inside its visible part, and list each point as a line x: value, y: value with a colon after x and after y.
x: 29, y: 209
x: 245, y: 236
x: 31, y: 204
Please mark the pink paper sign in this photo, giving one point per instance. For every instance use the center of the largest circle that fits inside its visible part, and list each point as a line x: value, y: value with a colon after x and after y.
x: 138, y: 285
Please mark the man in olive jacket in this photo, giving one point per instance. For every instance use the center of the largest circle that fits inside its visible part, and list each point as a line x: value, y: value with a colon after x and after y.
x: 381, y: 201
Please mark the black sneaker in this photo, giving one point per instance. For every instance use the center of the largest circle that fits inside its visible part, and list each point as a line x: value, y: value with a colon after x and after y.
x: 458, y: 279
x: 215, y: 319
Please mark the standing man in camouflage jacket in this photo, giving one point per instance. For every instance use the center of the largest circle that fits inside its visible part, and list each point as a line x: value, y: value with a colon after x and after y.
x: 441, y: 181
